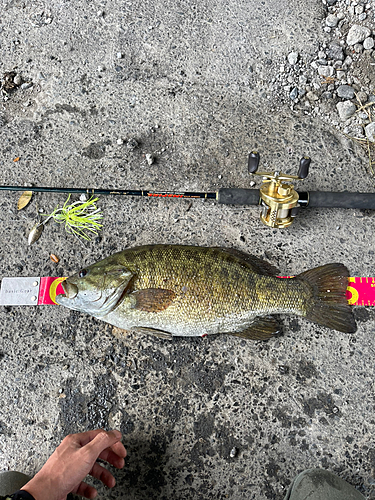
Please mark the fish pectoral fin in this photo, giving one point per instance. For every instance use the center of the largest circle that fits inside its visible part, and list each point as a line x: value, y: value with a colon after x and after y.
x: 262, y: 328
x: 152, y: 331
x: 153, y: 299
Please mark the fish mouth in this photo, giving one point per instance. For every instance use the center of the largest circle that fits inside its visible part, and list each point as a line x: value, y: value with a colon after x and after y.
x: 70, y: 290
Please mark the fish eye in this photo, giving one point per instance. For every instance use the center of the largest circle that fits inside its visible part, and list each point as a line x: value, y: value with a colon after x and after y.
x: 83, y: 273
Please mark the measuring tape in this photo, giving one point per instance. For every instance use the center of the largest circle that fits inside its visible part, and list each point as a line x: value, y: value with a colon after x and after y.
x: 36, y: 291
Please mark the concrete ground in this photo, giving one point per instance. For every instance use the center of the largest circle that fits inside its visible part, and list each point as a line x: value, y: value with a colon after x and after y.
x: 211, y: 418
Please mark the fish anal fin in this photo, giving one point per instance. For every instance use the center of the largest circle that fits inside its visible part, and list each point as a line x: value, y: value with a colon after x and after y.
x: 153, y: 331
x: 257, y: 264
x: 262, y: 328
x: 153, y: 299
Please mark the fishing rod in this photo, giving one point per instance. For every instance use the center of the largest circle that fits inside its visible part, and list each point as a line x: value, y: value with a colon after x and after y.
x: 278, y: 200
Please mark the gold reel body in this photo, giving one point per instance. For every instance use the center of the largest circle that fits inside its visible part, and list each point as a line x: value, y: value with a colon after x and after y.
x: 279, y: 200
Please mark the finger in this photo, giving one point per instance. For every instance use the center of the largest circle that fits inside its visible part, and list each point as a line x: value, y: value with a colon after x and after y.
x: 85, y: 437
x: 119, y: 449
x: 102, y: 441
x: 103, y: 475
x: 86, y: 491
x: 112, y: 458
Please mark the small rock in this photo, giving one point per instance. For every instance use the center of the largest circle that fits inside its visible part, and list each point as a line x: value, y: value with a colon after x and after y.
x: 340, y: 75
x: 362, y: 17
x: 293, y: 58
x: 26, y: 85
x: 294, y: 94
x: 357, y: 34
x: 362, y: 97
x: 150, y: 159
x: 331, y: 21
x: 348, y: 62
x: 345, y: 92
x: 346, y: 109
x: 132, y: 144
x: 335, y: 52
x: 358, y: 9
x: 119, y: 141
x: 233, y: 452
x: 17, y: 80
x: 368, y: 43
x: 358, y: 48
x: 326, y: 71
x: 119, y: 55
x: 311, y: 96
x: 370, y: 132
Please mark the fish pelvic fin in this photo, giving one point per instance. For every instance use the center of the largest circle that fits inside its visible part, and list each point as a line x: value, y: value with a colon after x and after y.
x: 329, y: 306
x: 262, y: 328
x: 152, y: 331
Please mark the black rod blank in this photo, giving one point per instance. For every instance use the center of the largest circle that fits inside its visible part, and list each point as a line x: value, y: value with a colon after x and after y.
x: 123, y: 192
x: 227, y: 196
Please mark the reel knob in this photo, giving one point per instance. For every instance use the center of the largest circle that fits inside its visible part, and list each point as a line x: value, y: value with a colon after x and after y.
x: 253, y: 162
x: 304, y: 165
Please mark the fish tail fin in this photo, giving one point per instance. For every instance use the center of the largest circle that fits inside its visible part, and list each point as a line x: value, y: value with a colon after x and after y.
x: 329, y: 306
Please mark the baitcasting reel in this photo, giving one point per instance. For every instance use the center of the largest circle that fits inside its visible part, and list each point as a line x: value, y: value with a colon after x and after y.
x: 279, y: 200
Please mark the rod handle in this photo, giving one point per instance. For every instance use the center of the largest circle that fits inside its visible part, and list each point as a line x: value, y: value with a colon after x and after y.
x: 237, y: 196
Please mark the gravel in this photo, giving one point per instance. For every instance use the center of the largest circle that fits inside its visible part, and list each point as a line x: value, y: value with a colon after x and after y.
x: 370, y: 131
x: 293, y: 58
x: 345, y: 92
x: 368, y: 43
x: 346, y: 109
x: 357, y: 34
x: 338, y: 75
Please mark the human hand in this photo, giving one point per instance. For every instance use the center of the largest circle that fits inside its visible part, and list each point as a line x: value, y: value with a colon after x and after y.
x: 73, y: 460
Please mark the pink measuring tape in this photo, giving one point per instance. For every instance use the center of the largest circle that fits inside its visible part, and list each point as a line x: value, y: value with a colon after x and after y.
x: 36, y: 291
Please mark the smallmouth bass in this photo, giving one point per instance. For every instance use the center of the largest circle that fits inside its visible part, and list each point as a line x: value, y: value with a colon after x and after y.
x: 175, y: 290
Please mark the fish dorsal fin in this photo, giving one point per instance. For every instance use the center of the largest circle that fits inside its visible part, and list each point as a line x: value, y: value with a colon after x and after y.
x: 153, y: 299
x: 257, y: 264
x: 262, y: 328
